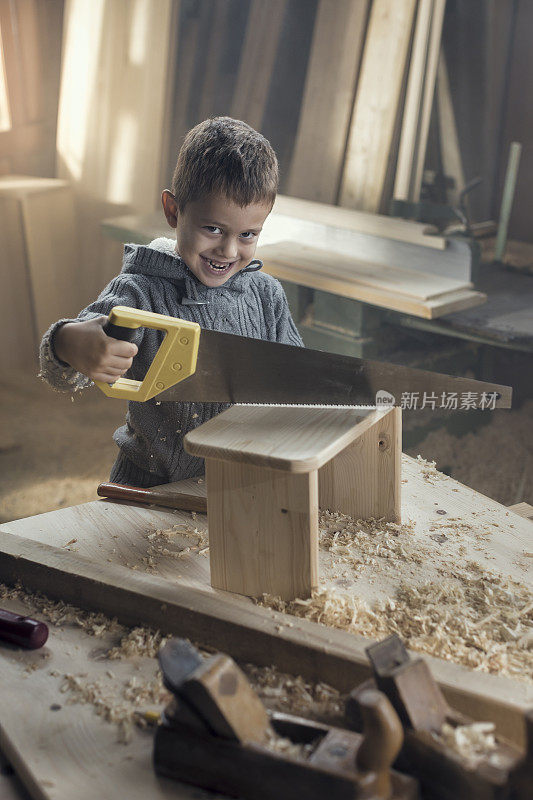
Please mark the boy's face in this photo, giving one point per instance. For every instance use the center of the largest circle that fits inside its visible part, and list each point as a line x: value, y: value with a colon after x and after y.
x: 215, y: 237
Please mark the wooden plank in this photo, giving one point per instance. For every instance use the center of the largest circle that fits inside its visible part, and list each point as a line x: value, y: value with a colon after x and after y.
x: 360, y: 221
x: 364, y: 479
x: 450, y: 150
x: 326, y: 282
x: 428, y: 95
x: 53, y: 258
x: 17, y: 319
x: 522, y: 509
x: 263, y: 530
x: 376, y: 104
x: 288, y: 438
x: 217, y: 39
x: 419, y: 285
x: 325, y: 116
x: 47, y: 211
x: 257, y: 61
x: 413, y: 100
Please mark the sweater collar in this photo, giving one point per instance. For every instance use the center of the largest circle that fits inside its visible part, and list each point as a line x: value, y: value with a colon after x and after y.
x: 159, y: 259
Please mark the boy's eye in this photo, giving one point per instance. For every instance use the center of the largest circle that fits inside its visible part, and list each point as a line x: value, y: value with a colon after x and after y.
x: 212, y: 229
x: 247, y: 235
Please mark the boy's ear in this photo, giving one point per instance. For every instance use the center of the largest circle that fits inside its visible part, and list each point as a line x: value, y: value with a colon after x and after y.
x: 170, y: 207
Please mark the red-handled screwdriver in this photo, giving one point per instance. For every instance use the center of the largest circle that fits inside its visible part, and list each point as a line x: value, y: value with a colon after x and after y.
x: 23, y: 631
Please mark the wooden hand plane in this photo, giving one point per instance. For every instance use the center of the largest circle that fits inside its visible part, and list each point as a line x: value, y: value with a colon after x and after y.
x: 216, y: 733
x: 502, y: 772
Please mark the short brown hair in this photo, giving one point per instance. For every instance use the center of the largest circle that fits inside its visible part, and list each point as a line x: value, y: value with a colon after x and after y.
x: 228, y: 157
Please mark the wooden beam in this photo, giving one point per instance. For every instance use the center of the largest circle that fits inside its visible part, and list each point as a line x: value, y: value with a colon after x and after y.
x: 324, y: 270
x: 522, y: 509
x: 47, y: 211
x: 413, y: 101
x: 423, y: 286
x: 263, y: 530
x: 450, y: 150
x: 318, y: 154
x: 376, y: 104
x: 364, y: 479
x: 428, y: 95
x: 360, y: 221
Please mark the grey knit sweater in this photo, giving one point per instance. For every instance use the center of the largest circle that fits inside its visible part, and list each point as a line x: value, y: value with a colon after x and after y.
x: 155, y: 278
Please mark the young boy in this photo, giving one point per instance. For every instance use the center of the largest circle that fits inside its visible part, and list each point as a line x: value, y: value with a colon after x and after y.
x: 223, y: 189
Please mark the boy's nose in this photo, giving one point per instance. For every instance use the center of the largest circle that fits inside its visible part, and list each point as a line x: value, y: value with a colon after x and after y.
x: 228, y: 249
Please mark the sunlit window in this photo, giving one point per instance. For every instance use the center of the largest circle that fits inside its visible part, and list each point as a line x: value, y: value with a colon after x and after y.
x: 5, y: 116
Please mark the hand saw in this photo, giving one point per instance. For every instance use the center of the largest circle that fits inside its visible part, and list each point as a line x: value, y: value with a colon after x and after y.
x: 198, y: 365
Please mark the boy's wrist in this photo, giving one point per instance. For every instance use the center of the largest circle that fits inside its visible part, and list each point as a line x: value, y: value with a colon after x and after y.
x: 57, y: 341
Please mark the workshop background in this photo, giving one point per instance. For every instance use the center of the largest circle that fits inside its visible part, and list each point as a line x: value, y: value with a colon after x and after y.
x: 375, y: 105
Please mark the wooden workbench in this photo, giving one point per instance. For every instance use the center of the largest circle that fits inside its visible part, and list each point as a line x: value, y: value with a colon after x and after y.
x: 74, y: 753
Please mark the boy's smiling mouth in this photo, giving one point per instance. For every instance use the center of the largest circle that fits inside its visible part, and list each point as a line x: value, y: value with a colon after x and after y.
x: 217, y: 267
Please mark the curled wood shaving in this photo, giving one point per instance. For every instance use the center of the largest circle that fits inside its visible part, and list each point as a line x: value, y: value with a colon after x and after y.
x: 473, y: 742
x: 163, y: 543
x: 429, y: 470
x: 280, y: 744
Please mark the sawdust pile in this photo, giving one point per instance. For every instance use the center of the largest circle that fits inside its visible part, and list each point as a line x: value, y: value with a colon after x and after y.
x: 496, y: 460
x: 472, y: 616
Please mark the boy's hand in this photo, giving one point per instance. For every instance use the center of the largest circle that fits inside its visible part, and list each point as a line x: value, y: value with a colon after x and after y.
x: 85, y: 346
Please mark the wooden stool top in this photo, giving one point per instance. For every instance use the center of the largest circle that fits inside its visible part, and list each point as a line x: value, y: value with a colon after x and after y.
x: 290, y: 438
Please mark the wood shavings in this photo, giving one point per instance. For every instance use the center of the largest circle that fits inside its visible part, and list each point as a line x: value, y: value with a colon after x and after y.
x: 429, y: 470
x: 359, y: 542
x: 60, y: 614
x: 282, y: 692
x: 103, y: 700
x: 495, y: 459
x: 168, y: 542
x: 280, y: 744
x: 140, y: 642
x: 474, y: 618
x: 473, y: 742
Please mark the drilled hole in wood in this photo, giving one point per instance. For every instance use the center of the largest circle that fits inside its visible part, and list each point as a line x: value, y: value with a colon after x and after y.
x: 383, y: 441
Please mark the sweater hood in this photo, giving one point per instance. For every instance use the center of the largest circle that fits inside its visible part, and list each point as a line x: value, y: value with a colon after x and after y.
x: 160, y: 260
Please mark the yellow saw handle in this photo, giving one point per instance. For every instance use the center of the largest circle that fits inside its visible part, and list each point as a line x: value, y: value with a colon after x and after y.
x: 174, y: 361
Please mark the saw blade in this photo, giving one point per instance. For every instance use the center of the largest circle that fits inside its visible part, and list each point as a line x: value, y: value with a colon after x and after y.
x: 238, y: 369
